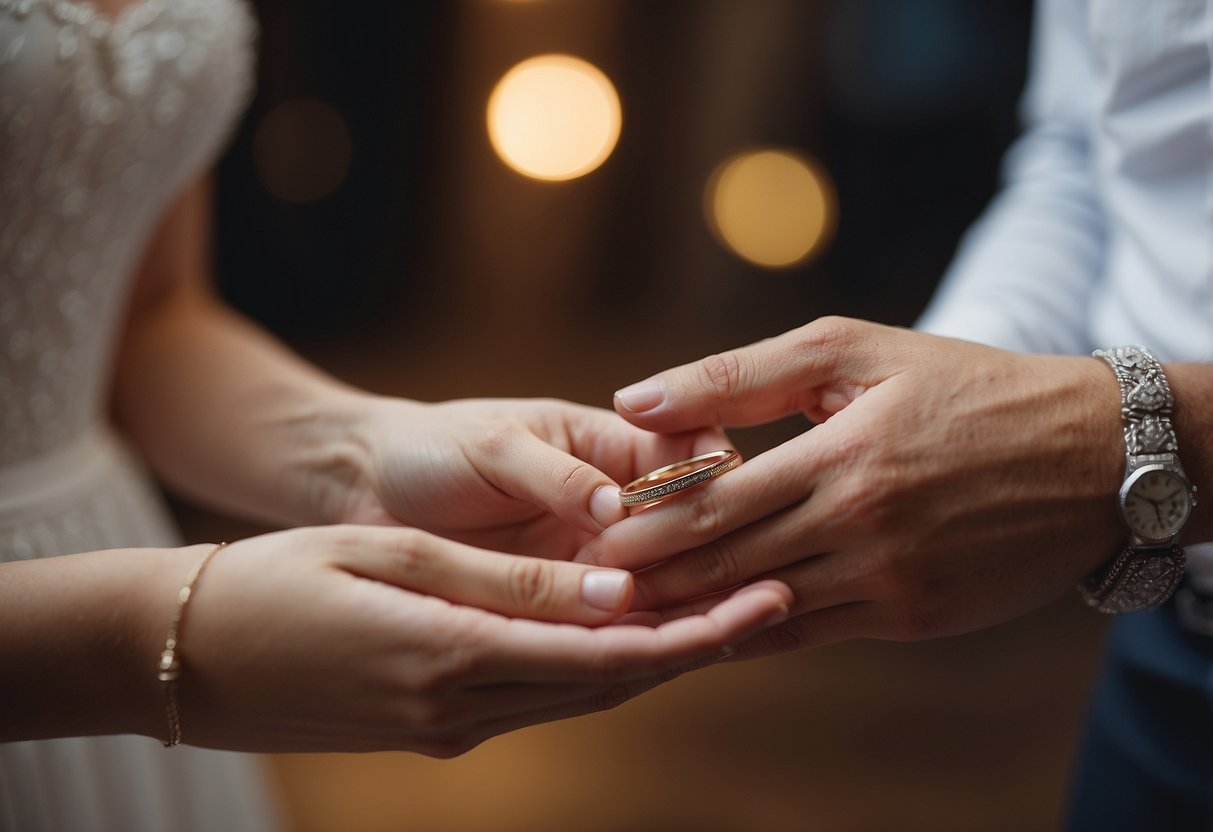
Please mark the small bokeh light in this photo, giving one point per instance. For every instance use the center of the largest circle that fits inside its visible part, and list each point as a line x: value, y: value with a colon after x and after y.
x: 554, y: 117
x: 772, y: 207
x: 301, y: 150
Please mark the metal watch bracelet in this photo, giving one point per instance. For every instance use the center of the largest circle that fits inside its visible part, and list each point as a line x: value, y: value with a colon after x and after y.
x: 1149, y: 569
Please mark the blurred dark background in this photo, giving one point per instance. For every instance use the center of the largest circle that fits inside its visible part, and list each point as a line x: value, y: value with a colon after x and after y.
x: 365, y: 217
x: 404, y: 225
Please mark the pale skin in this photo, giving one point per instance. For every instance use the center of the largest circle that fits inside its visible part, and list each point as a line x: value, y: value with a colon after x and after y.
x: 947, y: 487
x: 407, y: 625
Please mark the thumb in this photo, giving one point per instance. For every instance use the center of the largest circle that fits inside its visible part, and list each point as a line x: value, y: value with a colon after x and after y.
x: 529, y: 468
x: 817, y: 370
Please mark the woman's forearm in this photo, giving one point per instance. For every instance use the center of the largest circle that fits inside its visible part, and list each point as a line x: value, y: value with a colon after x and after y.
x: 228, y: 416
x: 80, y: 636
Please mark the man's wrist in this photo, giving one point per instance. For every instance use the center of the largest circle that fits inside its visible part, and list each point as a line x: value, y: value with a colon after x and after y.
x: 1155, y: 499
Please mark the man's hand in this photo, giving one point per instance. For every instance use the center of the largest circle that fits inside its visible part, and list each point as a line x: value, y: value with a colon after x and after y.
x: 947, y: 487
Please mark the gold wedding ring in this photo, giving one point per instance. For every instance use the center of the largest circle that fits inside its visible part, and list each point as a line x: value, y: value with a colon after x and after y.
x: 670, y: 479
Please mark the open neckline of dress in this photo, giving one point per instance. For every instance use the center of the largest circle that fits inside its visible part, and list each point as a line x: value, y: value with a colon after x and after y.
x: 85, y: 14
x: 112, y: 19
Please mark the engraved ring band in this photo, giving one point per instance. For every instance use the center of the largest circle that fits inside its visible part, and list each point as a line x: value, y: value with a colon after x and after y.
x: 670, y: 479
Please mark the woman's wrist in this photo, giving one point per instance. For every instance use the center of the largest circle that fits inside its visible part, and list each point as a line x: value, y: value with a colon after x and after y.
x: 81, y: 636
x: 338, y: 460
x: 313, y: 454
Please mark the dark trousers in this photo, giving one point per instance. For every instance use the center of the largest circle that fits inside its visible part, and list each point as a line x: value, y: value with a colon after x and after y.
x: 1146, y: 761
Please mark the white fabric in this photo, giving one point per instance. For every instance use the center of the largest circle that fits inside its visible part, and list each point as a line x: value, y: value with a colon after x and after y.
x: 103, y: 121
x: 1101, y: 235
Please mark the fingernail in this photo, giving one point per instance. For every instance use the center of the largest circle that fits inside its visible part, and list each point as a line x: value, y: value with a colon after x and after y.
x: 604, y: 590
x: 605, y: 507
x: 642, y: 396
x: 778, y: 616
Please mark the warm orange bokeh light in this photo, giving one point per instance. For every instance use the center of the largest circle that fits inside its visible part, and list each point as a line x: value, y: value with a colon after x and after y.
x: 554, y: 117
x: 771, y: 207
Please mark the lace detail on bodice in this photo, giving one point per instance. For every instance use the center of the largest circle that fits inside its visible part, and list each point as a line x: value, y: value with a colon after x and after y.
x: 103, y: 121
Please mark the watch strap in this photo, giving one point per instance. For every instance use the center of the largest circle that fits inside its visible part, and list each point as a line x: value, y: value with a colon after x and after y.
x: 1137, y: 579
x: 1146, y: 402
x: 1140, y: 577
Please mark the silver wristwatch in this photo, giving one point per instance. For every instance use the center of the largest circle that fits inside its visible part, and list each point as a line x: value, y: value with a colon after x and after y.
x: 1156, y: 498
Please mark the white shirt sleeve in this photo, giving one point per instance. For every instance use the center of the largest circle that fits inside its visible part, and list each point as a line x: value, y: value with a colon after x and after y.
x: 1023, y: 276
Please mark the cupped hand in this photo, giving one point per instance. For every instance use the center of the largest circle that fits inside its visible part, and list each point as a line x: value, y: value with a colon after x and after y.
x: 369, y: 638
x: 531, y: 476
x: 948, y: 486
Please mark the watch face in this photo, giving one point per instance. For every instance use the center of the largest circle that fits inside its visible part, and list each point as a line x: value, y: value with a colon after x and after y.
x: 1155, y: 503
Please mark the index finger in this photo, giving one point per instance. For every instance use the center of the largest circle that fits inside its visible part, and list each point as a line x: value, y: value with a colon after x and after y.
x: 815, y: 369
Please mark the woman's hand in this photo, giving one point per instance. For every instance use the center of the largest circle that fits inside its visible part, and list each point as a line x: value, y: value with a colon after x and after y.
x: 229, y: 418
x: 370, y: 638
x: 533, y: 476
x: 948, y: 487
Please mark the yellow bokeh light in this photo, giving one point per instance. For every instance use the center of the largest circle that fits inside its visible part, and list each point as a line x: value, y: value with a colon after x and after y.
x: 554, y: 117
x: 771, y: 207
x: 302, y: 150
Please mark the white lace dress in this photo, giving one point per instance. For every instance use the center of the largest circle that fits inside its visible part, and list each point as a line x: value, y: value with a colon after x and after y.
x: 103, y: 121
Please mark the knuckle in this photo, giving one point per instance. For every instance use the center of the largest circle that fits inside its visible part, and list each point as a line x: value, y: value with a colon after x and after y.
x: 725, y: 374
x: 576, y: 482
x: 852, y: 448
x: 786, y: 638
x: 411, y: 540
x: 530, y: 584
x: 855, y: 503
x: 497, y: 438
x: 704, y: 518
x: 828, y: 332
x: 549, y: 403
x: 870, y: 496
x: 718, y: 565
x: 410, y: 548
x: 821, y: 343
x: 342, y: 538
